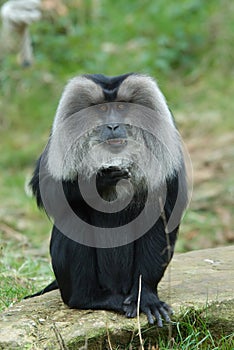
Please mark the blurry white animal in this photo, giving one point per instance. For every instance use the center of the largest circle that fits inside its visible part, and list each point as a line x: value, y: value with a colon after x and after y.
x: 17, y: 15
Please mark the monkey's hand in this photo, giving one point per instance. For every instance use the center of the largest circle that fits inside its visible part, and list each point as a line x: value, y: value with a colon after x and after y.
x: 149, y: 305
x: 110, y: 176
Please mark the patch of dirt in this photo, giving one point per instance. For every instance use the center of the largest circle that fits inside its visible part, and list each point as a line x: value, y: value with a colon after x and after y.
x: 210, y: 221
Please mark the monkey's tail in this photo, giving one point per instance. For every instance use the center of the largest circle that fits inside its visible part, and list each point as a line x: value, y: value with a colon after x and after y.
x: 52, y: 286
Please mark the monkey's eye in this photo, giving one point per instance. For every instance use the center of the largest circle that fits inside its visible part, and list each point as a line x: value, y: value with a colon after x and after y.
x: 103, y: 108
x: 121, y: 106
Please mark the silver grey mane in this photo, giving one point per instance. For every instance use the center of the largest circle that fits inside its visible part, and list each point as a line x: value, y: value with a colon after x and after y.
x: 69, y: 155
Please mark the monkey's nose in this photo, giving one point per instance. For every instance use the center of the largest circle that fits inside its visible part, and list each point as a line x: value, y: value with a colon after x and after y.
x: 113, y: 127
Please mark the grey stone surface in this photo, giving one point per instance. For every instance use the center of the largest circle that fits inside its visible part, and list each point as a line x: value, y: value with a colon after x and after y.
x: 199, y: 280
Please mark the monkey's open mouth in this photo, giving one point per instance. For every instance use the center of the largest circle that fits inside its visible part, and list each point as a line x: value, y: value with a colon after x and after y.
x: 116, y: 142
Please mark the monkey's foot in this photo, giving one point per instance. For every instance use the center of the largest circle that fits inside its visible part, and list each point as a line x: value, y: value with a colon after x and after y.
x: 149, y: 305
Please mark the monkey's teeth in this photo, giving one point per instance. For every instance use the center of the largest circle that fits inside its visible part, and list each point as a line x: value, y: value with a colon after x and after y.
x: 116, y: 141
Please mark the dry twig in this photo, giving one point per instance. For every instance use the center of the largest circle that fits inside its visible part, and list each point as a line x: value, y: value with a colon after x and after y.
x: 138, y: 314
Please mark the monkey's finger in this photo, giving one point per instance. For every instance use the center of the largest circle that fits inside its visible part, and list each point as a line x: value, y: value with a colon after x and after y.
x: 164, y: 314
x: 158, y: 318
x: 119, y: 173
x: 114, y: 174
x: 128, y: 300
x: 130, y: 311
x: 111, y: 168
x: 166, y: 307
x: 149, y: 315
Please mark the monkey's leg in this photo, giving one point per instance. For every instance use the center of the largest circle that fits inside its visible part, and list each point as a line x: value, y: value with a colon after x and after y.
x: 75, y: 268
x: 99, y: 301
x: 152, y: 257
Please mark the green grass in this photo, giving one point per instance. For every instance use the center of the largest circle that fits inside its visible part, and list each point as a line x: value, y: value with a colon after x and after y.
x: 188, y: 47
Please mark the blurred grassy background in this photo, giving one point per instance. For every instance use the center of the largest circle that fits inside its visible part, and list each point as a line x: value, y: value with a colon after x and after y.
x: 186, y: 45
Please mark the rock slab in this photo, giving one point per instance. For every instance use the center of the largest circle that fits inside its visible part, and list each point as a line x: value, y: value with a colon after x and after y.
x: 199, y: 280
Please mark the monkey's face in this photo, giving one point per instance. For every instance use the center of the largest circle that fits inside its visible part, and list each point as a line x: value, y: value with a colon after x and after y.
x: 133, y: 130
x: 113, y: 132
x: 114, y: 143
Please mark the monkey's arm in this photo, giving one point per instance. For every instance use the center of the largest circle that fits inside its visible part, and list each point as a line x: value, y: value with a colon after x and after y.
x: 154, y: 251
x: 152, y: 257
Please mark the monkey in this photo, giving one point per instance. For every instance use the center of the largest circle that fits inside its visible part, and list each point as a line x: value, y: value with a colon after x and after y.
x: 113, y: 178
x: 17, y: 15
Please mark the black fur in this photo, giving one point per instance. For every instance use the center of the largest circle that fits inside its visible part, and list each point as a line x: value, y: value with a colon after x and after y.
x: 109, y: 85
